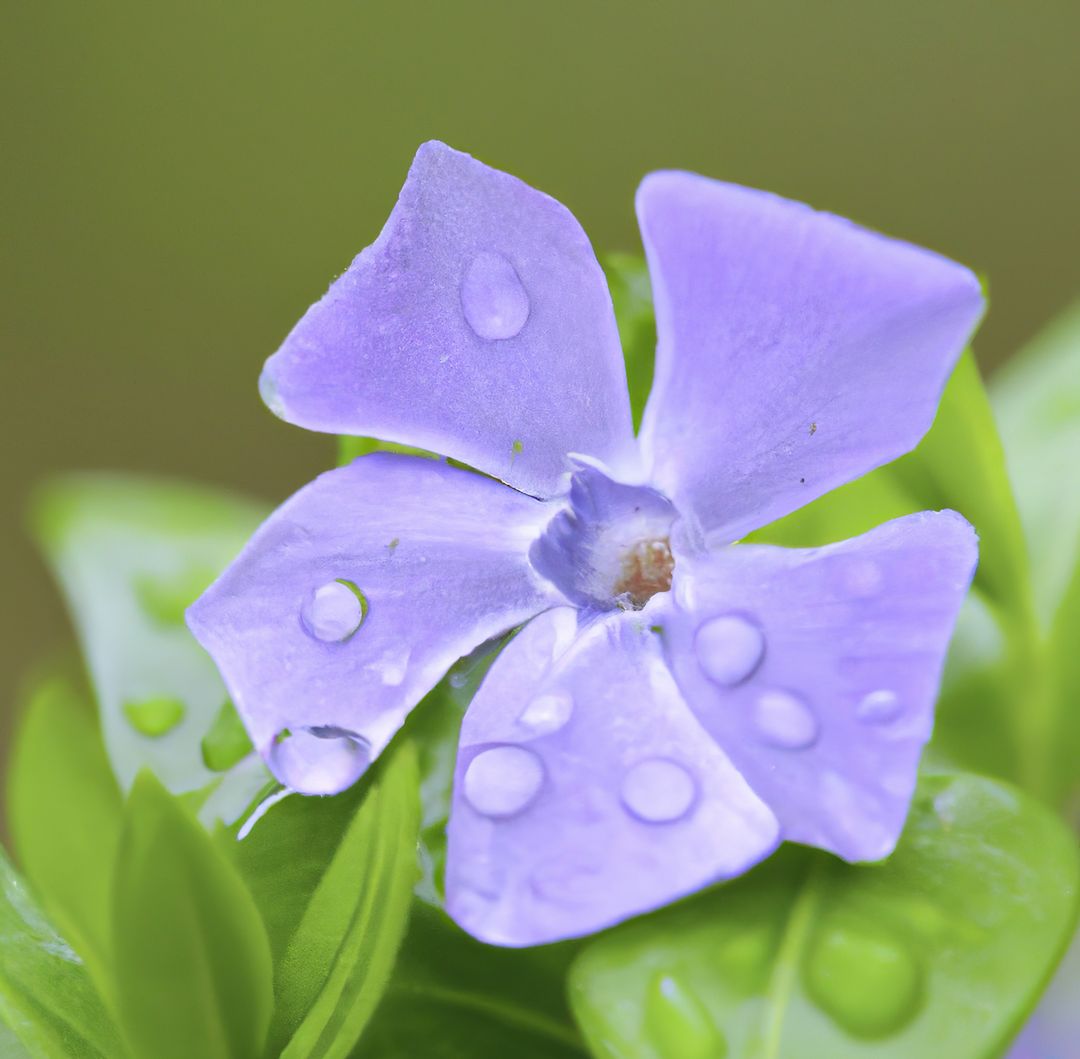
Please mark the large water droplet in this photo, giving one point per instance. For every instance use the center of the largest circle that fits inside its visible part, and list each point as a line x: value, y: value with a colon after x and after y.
x: 784, y: 719
x: 547, y: 713
x: 503, y: 781
x: 323, y: 759
x: 334, y: 611
x: 493, y: 298
x: 658, y: 791
x: 878, y: 707
x: 866, y: 979
x: 678, y: 1024
x: 154, y: 716
x: 268, y: 391
x: 729, y: 648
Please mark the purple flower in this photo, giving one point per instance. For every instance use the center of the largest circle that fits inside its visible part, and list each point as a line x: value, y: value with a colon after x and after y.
x: 674, y: 706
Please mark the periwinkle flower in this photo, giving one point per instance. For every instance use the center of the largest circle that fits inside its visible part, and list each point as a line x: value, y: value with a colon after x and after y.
x: 675, y: 704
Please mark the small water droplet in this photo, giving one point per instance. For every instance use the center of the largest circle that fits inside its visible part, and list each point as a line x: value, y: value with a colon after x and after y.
x: 878, y: 707
x: 729, y: 649
x: 493, y: 298
x: 784, y: 719
x: 334, y: 611
x: 547, y: 713
x: 658, y: 791
x: 503, y: 781
x: 322, y: 759
x: 268, y: 391
x: 155, y: 716
x: 864, y: 978
x: 678, y: 1024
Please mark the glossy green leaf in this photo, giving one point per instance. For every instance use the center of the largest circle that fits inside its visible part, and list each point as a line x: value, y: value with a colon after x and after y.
x: 453, y: 998
x: 46, y: 997
x: 131, y: 554
x: 192, y: 965
x: 64, y: 813
x: 631, y: 295
x: 1036, y: 397
x: 939, y: 951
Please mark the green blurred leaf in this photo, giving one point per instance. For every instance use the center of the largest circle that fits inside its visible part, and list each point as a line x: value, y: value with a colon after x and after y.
x: 631, y: 295
x: 454, y: 998
x: 131, y: 554
x: 227, y: 741
x: 46, y: 996
x: 64, y: 813
x: 192, y: 963
x: 349, y: 448
x: 939, y: 951
x: 333, y: 879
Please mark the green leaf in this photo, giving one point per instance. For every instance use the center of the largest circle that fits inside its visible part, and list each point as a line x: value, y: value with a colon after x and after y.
x: 192, y: 962
x: 350, y: 447
x: 1036, y: 397
x: 631, y: 295
x: 453, y: 998
x: 46, y: 996
x: 333, y: 879
x: 64, y: 813
x: 940, y: 950
x: 131, y: 554
x: 227, y: 742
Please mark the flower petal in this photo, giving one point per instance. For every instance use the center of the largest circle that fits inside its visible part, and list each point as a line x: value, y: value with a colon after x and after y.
x: 478, y: 325
x: 817, y: 669
x: 355, y: 597
x: 796, y: 351
x: 585, y: 790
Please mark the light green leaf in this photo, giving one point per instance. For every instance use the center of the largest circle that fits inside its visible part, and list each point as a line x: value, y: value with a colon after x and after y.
x: 453, y: 998
x: 227, y: 741
x: 46, y: 996
x: 1036, y: 397
x: 191, y: 958
x: 631, y: 295
x: 333, y: 879
x: 64, y: 813
x: 131, y: 554
x: 940, y: 950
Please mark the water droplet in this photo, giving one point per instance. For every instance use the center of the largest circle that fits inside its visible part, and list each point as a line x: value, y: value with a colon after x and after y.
x: 227, y: 741
x: 729, y: 649
x: 493, y: 298
x: 878, y: 707
x: 503, y: 781
x: 268, y: 391
x: 334, y: 611
x: 678, y: 1024
x: 784, y: 719
x: 866, y: 979
x: 658, y: 791
x: 322, y: 759
x: 547, y: 713
x: 156, y: 716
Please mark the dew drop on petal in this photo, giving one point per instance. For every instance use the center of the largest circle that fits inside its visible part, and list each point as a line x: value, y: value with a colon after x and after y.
x: 334, y: 611
x: 865, y: 978
x: 268, y: 391
x: 784, y: 719
x: 658, y: 791
x: 323, y: 759
x: 503, y: 781
x: 729, y: 649
x: 878, y: 707
x: 156, y: 716
x: 862, y: 578
x: 678, y: 1024
x: 493, y: 298
x: 547, y: 713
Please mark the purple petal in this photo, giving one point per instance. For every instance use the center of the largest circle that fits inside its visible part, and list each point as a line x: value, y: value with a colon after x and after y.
x: 585, y: 790
x: 796, y: 351
x: 355, y: 597
x: 817, y: 669
x: 478, y: 325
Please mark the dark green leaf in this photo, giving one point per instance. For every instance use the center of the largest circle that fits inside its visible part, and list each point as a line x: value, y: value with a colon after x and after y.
x: 46, y: 996
x: 453, y: 998
x: 64, y: 813
x: 631, y: 294
x: 939, y: 951
x: 192, y: 962
x: 131, y: 554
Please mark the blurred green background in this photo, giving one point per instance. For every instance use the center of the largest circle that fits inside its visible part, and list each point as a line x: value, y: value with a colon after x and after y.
x: 179, y: 181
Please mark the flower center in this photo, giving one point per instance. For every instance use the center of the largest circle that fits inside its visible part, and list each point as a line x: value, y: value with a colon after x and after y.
x: 609, y: 547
